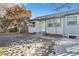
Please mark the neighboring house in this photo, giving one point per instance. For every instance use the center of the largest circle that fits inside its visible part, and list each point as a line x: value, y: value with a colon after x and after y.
x: 66, y: 23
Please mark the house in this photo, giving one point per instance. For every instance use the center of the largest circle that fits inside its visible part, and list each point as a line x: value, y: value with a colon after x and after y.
x: 65, y: 23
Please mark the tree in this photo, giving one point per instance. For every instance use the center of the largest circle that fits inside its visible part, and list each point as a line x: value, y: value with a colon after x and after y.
x: 18, y: 14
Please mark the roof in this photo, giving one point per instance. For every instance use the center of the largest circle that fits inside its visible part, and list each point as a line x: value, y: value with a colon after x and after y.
x: 57, y: 15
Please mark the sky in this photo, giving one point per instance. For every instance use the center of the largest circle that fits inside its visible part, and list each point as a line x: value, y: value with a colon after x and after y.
x: 41, y: 9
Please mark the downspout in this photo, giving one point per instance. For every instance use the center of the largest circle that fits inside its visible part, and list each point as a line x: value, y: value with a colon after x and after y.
x: 64, y: 26
x: 55, y: 26
x: 45, y: 27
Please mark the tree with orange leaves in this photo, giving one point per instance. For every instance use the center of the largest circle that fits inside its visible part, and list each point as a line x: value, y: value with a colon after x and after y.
x: 20, y: 14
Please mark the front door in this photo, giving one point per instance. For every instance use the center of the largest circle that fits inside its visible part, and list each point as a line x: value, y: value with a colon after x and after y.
x: 42, y: 26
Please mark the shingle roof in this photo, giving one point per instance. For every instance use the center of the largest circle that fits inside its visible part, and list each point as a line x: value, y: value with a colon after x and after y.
x: 56, y: 15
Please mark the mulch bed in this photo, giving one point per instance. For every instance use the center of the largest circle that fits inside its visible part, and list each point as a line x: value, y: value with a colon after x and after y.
x: 25, y: 35
x: 17, y: 35
x: 54, y: 35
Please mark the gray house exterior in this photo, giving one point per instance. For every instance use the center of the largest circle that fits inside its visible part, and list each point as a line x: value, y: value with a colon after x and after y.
x: 66, y: 23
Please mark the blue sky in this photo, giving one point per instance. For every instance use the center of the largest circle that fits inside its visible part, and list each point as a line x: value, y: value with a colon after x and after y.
x: 41, y: 9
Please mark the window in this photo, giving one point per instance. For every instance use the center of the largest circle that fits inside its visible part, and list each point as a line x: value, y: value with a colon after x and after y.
x: 32, y: 24
x: 50, y: 23
x: 57, y: 22
x: 54, y: 23
x: 72, y: 20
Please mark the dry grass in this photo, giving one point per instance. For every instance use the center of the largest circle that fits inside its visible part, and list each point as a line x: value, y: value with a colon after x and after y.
x: 2, y: 50
x: 47, y: 43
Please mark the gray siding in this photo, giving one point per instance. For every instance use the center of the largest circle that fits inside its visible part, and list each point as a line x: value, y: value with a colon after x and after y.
x: 64, y: 29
